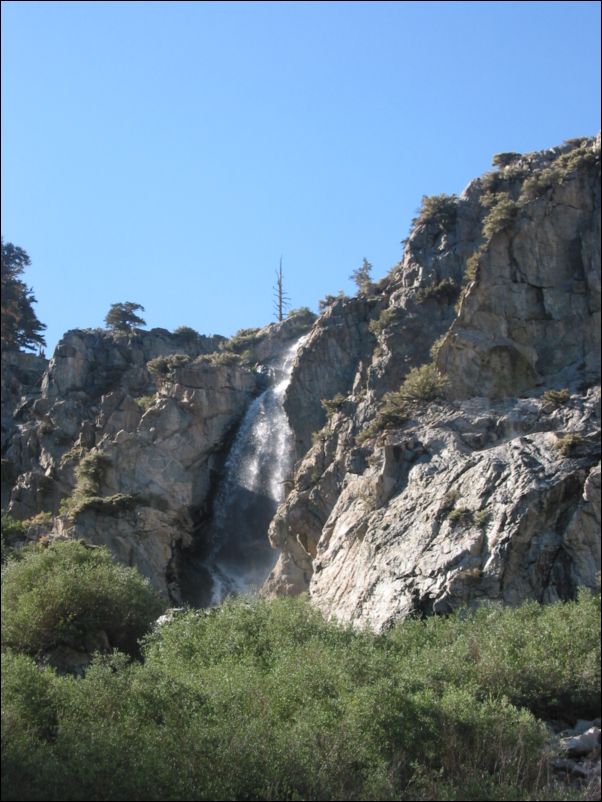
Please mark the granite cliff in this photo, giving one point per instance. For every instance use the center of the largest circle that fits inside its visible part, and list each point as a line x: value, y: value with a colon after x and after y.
x: 445, y: 420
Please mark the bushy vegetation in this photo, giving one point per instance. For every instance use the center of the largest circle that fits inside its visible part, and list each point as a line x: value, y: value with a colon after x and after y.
x: 66, y: 593
x: 362, y: 277
x: 444, y: 291
x: 89, y: 475
x: 556, y: 398
x: 266, y: 700
x: 329, y: 300
x: 567, y: 444
x: 424, y: 383
x: 439, y: 211
x: 378, y: 325
x: 505, y: 159
x: 186, y: 333
x: 334, y: 404
x: 13, y: 533
x: 20, y: 327
x: 502, y: 211
x: 164, y: 365
x: 220, y: 358
x: 243, y: 340
x: 582, y: 155
x: 145, y: 401
x: 123, y: 317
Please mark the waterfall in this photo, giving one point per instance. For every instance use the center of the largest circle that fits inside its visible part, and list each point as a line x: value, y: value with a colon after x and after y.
x: 252, y: 486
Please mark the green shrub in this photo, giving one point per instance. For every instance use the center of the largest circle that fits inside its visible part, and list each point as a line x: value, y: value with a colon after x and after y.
x: 89, y: 475
x: 333, y: 404
x: 481, y: 518
x: 67, y: 593
x: 556, y: 398
x: 164, y: 365
x: 186, y: 333
x: 392, y: 413
x: 440, y: 211
x: 505, y: 159
x: 262, y: 700
x: 220, y: 358
x: 243, y: 340
x: 377, y: 326
x: 436, y: 346
x: 471, y: 267
x: 425, y: 383
x: 568, y: 443
x: 422, y: 384
x: 329, y: 300
x: 145, y: 401
x: 13, y: 533
x: 460, y: 514
x: 301, y: 311
x: 501, y: 214
x: 444, y: 291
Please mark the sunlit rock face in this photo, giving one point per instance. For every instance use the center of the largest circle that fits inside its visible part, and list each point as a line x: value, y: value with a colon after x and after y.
x: 377, y: 508
x: 492, y: 492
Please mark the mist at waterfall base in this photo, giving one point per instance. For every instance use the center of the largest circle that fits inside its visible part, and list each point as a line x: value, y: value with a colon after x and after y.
x: 260, y: 461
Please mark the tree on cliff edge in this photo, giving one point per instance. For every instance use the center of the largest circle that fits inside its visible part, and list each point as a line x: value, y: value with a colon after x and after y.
x: 20, y: 325
x: 123, y: 317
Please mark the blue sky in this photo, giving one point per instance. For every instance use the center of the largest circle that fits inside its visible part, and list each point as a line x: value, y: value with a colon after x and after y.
x: 168, y: 153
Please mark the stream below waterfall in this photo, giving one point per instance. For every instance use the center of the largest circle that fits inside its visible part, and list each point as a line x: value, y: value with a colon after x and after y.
x: 252, y: 485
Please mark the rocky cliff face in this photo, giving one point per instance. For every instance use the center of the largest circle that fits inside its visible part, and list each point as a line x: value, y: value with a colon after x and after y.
x: 411, y: 503
x: 120, y: 438
x: 446, y: 420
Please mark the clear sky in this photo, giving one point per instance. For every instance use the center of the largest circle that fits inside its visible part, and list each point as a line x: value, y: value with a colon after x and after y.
x: 168, y: 153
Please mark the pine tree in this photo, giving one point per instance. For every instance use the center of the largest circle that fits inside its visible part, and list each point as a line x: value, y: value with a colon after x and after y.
x: 20, y: 327
x: 361, y: 277
x: 123, y: 317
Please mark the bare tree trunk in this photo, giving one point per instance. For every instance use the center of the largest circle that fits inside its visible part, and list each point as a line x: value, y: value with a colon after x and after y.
x: 281, y: 302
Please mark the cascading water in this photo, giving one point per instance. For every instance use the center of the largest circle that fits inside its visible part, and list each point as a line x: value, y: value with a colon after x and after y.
x: 252, y: 487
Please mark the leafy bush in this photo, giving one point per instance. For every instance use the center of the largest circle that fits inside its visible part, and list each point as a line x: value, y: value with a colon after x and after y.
x: 186, y: 333
x: 219, y: 358
x: 556, y: 398
x: 505, y: 159
x: 444, y: 291
x: 89, y: 475
x: 243, y: 340
x: 568, y: 443
x: 164, y: 365
x: 436, y: 346
x: 67, y: 593
x: 13, y: 532
x: 333, y: 405
x: 301, y: 311
x: 425, y: 383
x: 501, y: 214
x: 266, y: 700
x: 583, y: 156
x: 145, y: 401
x: 329, y: 300
x: 377, y: 326
x: 439, y: 211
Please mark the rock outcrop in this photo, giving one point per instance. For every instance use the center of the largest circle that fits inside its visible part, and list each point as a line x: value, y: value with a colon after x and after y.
x: 446, y: 419
x: 493, y: 491
x: 121, y: 440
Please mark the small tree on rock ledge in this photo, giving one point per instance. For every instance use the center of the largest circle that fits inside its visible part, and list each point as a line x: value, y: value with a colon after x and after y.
x: 123, y: 317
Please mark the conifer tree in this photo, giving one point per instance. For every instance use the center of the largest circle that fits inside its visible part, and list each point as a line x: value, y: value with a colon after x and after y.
x: 123, y: 317
x: 20, y: 326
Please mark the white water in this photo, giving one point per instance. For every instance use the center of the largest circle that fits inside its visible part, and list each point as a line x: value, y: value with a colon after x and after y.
x: 252, y: 487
